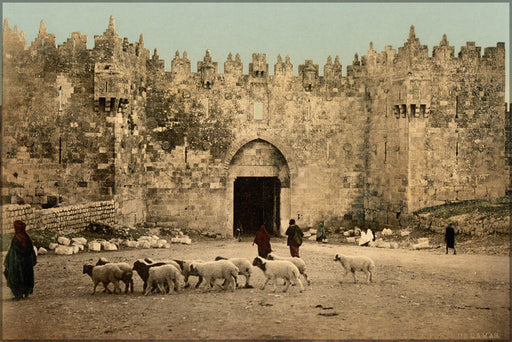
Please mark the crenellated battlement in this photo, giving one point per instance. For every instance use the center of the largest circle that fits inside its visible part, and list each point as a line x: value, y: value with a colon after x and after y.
x: 44, y: 44
x: 413, y: 53
x: 109, y: 44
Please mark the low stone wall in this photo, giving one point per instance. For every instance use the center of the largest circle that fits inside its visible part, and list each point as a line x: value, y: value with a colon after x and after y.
x: 70, y: 218
x: 476, y: 224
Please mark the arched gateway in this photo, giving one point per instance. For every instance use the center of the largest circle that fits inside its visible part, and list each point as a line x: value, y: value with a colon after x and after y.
x: 258, y: 188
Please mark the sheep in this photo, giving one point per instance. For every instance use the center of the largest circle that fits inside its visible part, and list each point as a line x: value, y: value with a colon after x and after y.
x: 165, y: 274
x: 357, y: 263
x: 142, y: 268
x: 301, y: 265
x: 244, y: 268
x: 127, y: 273
x: 168, y: 261
x: 105, y: 274
x: 185, y: 270
x: 274, y: 269
x: 212, y: 270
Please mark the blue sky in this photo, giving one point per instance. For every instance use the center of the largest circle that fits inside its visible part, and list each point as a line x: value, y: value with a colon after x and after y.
x: 300, y: 30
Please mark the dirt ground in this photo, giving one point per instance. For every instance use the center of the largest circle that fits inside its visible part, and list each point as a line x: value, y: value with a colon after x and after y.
x: 416, y: 295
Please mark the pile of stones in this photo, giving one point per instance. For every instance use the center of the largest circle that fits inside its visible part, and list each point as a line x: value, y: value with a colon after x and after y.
x: 66, y: 246
x: 369, y: 239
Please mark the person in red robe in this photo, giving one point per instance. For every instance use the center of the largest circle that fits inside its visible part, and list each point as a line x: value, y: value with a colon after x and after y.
x: 262, y: 239
x: 19, y: 263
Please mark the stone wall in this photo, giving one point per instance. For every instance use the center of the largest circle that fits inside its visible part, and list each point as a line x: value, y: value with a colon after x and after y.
x: 73, y: 121
x: 194, y: 133
x: 401, y: 131
x: 436, y: 127
x: 68, y: 219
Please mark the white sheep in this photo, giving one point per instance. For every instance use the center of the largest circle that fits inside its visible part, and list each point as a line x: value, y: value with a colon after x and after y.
x: 105, y: 274
x: 167, y: 261
x: 151, y: 263
x: 127, y: 273
x: 185, y: 270
x: 142, y: 268
x: 274, y: 269
x: 301, y: 265
x: 212, y: 270
x: 244, y: 268
x: 160, y: 275
x: 357, y: 263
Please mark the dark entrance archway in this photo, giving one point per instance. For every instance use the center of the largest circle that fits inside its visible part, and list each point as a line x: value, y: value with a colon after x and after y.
x: 256, y: 202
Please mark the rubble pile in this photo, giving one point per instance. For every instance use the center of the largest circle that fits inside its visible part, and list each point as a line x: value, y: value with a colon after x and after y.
x: 66, y: 246
x: 387, y: 238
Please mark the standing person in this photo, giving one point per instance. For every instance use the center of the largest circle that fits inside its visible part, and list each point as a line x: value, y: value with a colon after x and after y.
x: 239, y: 233
x: 449, y: 238
x: 262, y: 239
x: 320, y: 232
x: 295, y: 235
x: 19, y: 263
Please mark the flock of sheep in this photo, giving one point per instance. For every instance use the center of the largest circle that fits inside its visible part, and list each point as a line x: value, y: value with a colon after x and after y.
x: 166, y: 276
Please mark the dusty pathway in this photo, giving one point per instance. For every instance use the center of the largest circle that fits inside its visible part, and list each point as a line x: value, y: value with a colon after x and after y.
x: 416, y: 295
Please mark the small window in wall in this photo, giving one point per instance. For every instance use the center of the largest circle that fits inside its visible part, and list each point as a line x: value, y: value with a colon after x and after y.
x: 309, y: 109
x: 397, y: 111
x: 404, y: 110
x: 258, y: 110
x: 413, y: 110
x: 102, y: 103
x: 423, y: 109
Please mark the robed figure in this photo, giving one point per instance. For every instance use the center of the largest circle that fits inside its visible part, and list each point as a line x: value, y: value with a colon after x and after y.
x: 19, y: 263
x: 262, y: 239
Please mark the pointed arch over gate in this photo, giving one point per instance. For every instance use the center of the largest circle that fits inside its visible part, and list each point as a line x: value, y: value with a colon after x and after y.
x: 258, y: 185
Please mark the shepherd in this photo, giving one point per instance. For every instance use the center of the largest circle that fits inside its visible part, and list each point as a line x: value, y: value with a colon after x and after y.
x: 295, y: 235
x: 19, y: 263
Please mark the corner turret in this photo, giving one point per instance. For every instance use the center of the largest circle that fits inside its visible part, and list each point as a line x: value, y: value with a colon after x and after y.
x: 109, y: 44
x: 412, y: 49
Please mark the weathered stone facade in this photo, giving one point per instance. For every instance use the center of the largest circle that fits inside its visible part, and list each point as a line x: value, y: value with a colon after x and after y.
x: 210, y: 151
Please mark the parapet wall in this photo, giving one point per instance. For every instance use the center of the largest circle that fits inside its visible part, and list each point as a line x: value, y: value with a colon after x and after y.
x: 70, y: 218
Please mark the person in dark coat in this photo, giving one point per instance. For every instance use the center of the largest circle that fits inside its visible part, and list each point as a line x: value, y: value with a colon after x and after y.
x: 295, y: 236
x: 449, y: 238
x: 262, y: 239
x: 320, y: 232
x: 19, y: 263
